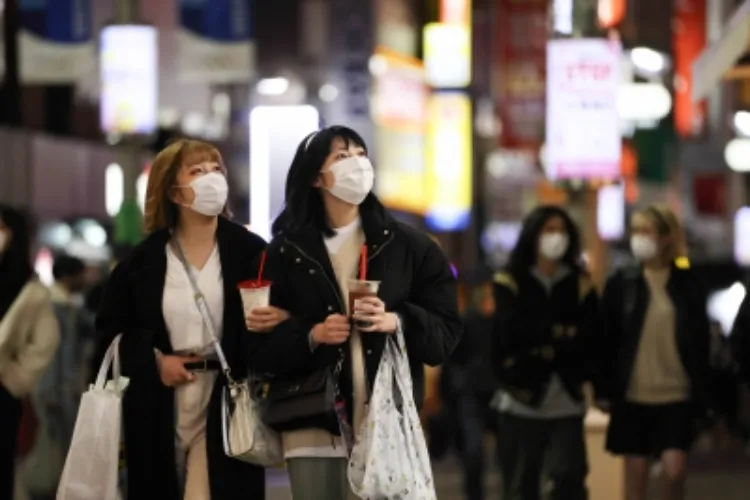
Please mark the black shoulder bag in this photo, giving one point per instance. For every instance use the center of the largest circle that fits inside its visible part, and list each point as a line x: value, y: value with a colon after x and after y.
x: 305, y: 402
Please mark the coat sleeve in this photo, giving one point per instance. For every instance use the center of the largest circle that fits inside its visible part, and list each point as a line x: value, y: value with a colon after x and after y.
x: 21, y: 375
x: 115, y: 316
x: 286, y: 349
x: 430, y: 320
x: 608, y: 337
x: 588, y: 329
x: 740, y: 340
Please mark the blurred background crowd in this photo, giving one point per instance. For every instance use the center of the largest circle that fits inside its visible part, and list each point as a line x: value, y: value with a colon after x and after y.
x: 476, y: 111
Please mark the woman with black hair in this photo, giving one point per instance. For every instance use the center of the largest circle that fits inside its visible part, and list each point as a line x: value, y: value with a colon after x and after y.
x: 29, y: 334
x: 544, y: 318
x: 330, y: 215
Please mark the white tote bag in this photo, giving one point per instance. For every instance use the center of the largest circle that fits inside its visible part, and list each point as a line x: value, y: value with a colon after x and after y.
x: 390, y: 459
x: 91, y: 468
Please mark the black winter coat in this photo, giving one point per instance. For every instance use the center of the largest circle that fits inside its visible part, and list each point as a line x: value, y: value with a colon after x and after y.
x: 539, y: 332
x: 416, y: 283
x: 132, y: 305
x: 621, y: 316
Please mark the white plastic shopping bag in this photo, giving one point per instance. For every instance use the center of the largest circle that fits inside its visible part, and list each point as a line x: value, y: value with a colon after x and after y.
x: 390, y: 459
x: 91, y: 467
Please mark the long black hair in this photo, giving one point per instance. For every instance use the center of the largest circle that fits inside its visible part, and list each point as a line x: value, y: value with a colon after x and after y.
x: 15, y: 260
x: 524, y: 254
x: 304, y: 203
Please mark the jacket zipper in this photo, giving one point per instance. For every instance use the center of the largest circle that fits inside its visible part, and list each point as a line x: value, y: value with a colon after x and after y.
x: 380, y: 249
x: 322, y: 270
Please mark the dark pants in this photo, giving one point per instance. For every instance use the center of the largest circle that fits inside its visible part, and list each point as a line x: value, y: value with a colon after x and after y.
x: 10, y: 421
x: 472, y: 412
x: 529, y: 447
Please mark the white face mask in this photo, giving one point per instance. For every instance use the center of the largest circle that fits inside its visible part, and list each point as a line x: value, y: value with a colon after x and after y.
x: 643, y: 247
x: 553, y: 245
x: 211, y: 192
x: 353, y: 179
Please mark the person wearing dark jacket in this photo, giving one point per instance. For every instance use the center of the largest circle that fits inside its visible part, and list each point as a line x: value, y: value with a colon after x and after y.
x: 330, y: 215
x: 655, y: 340
x: 468, y: 385
x: 542, y: 354
x: 172, y: 406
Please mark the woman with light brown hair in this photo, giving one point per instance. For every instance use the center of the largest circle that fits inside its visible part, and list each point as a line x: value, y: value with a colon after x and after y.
x: 172, y: 417
x: 654, y: 360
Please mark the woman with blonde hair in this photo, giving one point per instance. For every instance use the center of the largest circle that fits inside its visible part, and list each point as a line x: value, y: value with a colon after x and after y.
x: 171, y: 410
x: 654, y: 355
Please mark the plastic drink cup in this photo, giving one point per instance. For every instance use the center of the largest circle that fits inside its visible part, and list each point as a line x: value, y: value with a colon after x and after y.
x: 254, y: 294
x: 359, y: 289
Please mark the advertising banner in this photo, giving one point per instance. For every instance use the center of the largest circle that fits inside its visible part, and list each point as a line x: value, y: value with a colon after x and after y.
x: 215, y: 41
x: 129, y: 79
x: 449, y: 161
x: 689, y: 40
x: 351, y: 42
x: 399, y: 107
x: 583, y: 126
x: 56, y: 45
x: 521, y: 53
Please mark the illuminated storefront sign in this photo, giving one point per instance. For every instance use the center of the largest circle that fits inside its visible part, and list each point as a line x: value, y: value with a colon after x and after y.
x: 449, y: 161
x: 399, y: 106
x: 447, y: 55
x: 129, y: 79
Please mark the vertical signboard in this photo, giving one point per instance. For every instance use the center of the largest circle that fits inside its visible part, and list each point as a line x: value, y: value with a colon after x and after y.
x: 215, y: 41
x: 449, y: 161
x: 689, y: 40
x: 129, y: 72
x: 521, y: 52
x: 583, y: 126
x: 56, y: 44
x: 399, y: 105
x: 396, y: 27
x: 351, y: 44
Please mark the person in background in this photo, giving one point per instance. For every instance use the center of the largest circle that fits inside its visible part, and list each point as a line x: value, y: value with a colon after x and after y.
x: 172, y: 407
x: 469, y: 384
x: 29, y: 334
x: 654, y: 334
x: 56, y: 397
x: 542, y: 354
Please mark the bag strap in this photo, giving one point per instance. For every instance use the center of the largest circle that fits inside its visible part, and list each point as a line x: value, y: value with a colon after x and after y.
x: 208, y: 320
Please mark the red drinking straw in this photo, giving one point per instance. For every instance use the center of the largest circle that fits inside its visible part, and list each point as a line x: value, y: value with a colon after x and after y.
x: 262, y: 265
x: 363, y: 263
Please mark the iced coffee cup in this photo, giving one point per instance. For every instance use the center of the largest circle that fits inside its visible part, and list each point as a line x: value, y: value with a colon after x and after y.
x: 358, y: 289
x: 254, y: 294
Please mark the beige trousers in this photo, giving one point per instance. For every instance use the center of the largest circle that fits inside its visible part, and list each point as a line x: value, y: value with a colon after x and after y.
x: 191, y: 402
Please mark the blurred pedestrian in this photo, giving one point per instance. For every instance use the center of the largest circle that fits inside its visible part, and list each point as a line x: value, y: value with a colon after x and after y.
x: 172, y: 406
x: 655, y: 339
x: 469, y: 384
x: 29, y: 334
x: 542, y: 354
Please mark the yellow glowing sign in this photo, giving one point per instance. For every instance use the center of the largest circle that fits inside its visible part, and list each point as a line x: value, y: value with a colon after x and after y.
x: 447, y: 55
x: 449, y: 161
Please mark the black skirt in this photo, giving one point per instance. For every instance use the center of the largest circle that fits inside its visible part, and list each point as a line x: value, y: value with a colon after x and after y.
x: 649, y: 430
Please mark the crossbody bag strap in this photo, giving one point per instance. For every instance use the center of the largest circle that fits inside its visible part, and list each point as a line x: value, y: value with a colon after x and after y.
x: 202, y: 304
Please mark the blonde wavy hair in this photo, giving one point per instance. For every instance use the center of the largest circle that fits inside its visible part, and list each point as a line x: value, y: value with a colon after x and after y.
x: 668, y: 225
x: 160, y: 211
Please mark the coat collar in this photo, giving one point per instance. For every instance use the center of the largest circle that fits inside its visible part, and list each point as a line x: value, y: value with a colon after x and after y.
x: 148, y: 271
